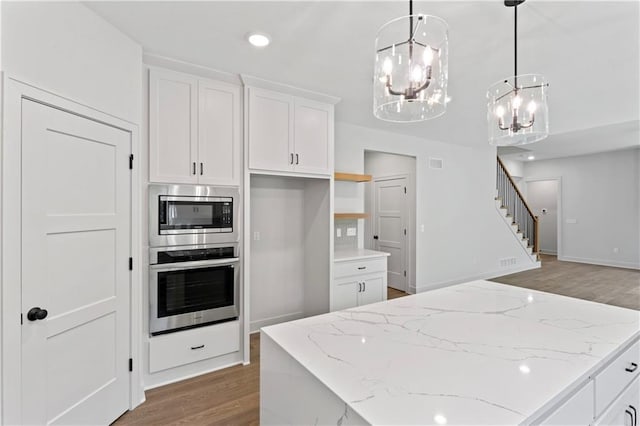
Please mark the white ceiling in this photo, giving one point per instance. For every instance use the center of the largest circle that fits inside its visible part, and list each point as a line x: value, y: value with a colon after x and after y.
x: 589, y: 52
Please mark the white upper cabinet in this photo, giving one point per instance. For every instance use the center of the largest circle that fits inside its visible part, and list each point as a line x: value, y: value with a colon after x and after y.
x: 289, y: 134
x: 270, y: 130
x: 173, y: 132
x: 219, y: 133
x: 194, y: 130
x: 313, y: 126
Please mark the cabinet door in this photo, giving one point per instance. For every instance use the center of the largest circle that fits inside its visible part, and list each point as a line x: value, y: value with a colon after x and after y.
x: 345, y: 294
x: 270, y: 130
x: 219, y: 133
x: 172, y: 127
x: 313, y: 141
x: 621, y: 411
x: 372, y: 291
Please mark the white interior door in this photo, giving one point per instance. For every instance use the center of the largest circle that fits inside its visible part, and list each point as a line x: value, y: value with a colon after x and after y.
x: 390, y: 227
x: 75, y: 249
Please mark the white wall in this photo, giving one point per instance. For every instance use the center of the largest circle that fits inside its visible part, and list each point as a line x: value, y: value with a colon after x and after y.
x: 464, y: 237
x: 65, y: 48
x: 601, y: 192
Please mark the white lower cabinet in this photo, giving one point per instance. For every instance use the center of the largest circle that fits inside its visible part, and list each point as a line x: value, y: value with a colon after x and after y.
x: 625, y: 410
x: 184, y: 347
x: 359, y: 282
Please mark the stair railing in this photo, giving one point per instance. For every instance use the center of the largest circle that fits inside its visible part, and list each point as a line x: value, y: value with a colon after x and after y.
x: 516, y: 206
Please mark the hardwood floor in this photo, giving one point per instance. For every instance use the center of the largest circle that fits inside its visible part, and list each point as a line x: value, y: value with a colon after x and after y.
x: 604, y: 284
x: 392, y: 293
x: 231, y: 396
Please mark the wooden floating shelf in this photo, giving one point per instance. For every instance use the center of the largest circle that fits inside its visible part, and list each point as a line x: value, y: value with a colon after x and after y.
x: 352, y: 177
x: 351, y: 215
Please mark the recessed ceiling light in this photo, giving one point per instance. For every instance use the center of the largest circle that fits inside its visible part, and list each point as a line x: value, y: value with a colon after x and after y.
x: 258, y: 39
x: 531, y: 157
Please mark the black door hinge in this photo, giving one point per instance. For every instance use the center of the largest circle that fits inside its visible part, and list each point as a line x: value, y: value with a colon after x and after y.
x: 130, y: 364
x: 131, y: 263
x: 131, y: 162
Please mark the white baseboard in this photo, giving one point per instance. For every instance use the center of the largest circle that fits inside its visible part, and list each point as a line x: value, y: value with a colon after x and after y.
x: 484, y: 276
x: 258, y: 324
x: 601, y: 262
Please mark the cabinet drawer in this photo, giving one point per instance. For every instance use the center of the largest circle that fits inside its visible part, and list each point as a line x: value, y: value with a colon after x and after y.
x: 615, y: 377
x: 359, y: 267
x: 577, y: 410
x: 189, y: 346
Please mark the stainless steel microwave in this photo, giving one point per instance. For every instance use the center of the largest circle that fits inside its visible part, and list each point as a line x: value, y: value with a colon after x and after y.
x: 192, y: 214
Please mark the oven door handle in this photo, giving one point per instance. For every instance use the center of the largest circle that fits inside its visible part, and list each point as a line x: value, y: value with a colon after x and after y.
x: 193, y: 265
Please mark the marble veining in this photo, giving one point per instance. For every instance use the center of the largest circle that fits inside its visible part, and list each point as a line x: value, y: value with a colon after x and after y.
x: 474, y: 353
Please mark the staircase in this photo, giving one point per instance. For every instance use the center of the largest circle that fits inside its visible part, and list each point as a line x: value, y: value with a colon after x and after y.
x: 516, y: 213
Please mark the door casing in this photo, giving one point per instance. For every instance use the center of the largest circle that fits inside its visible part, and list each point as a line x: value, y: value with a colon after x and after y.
x: 13, y: 91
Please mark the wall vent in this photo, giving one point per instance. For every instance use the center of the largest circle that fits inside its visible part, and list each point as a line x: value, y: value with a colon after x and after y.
x: 436, y: 163
x: 507, y: 261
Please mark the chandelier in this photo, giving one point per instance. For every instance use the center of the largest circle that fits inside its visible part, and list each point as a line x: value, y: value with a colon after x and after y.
x: 410, y: 70
x: 517, y: 106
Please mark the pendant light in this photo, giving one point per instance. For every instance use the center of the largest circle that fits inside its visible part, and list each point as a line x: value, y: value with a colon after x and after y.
x: 411, y: 69
x: 517, y: 106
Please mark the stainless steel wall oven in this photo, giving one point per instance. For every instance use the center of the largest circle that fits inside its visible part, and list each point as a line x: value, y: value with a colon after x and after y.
x: 192, y: 286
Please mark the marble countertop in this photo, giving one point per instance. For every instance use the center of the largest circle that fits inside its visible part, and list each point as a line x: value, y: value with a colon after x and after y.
x: 474, y: 353
x: 343, y: 255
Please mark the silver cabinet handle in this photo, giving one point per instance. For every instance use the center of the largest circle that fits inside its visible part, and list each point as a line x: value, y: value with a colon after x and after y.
x: 634, y: 417
x: 633, y: 367
x: 194, y: 167
x: 297, y: 159
x: 193, y: 348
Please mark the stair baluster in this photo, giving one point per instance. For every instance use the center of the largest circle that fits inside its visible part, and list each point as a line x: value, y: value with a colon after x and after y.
x: 517, y: 208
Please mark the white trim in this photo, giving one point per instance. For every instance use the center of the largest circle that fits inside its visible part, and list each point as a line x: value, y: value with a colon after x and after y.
x: 601, y: 262
x: 258, y: 324
x: 484, y: 276
x: 154, y: 61
x: 558, y: 203
x: 249, y: 80
x: 10, y: 229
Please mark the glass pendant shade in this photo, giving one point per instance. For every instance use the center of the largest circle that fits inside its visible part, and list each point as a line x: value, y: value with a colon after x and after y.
x: 411, y: 69
x: 517, y: 111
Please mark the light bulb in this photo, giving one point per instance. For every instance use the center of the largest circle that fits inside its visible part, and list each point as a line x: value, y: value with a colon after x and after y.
x: 387, y: 67
x: 500, y: 111
x: 532, y: 107
x: 427, y: 55
x: 416, y: 74
x: 516, y: 102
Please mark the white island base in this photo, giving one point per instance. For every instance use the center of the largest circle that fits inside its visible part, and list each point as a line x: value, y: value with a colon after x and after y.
x: 478, y: 353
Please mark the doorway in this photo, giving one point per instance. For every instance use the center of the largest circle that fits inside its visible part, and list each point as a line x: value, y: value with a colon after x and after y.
x: 390, y: 203
x: 543, y: 196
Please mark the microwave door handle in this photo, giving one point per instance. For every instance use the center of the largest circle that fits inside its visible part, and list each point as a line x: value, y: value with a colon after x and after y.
x: 194, y: 265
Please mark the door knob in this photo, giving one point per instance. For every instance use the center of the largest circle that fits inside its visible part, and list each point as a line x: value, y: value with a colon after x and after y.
x: 37, y: 314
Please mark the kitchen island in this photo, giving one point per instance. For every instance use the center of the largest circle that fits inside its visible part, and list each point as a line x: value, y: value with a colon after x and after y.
x: 470, y: 354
